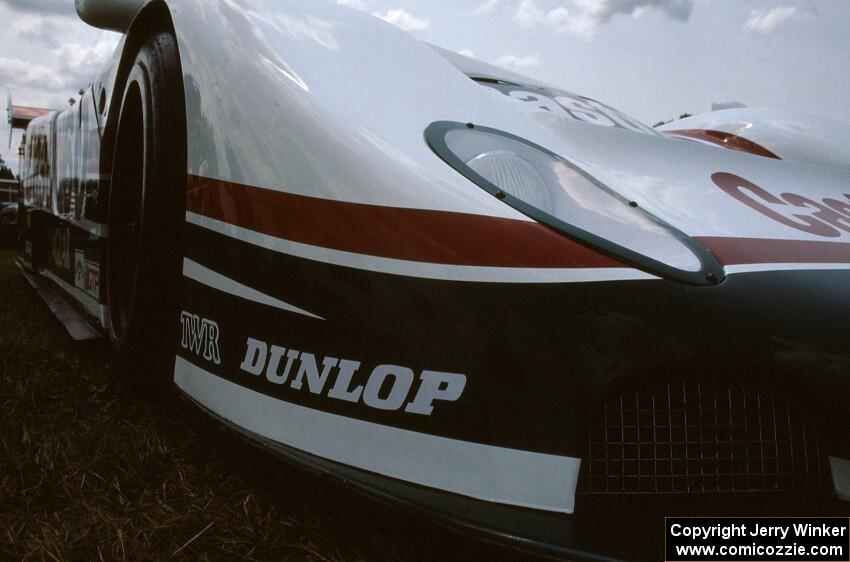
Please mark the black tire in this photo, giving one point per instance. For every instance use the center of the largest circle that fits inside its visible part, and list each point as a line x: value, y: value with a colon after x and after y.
x: 146, y: 211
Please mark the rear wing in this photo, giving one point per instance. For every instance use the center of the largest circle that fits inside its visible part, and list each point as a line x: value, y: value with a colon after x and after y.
x: 19, y: 116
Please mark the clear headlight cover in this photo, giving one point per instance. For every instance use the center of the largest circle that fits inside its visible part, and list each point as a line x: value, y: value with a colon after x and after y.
x: 553, y: 191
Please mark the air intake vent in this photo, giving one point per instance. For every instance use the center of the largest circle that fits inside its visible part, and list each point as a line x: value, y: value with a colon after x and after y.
x: 706, y: 438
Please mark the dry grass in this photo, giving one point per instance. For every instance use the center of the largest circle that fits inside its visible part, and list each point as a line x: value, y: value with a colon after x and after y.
x: 88, y: 471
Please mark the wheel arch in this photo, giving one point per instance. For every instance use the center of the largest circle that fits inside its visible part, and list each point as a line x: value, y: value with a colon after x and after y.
x: 155, y: 17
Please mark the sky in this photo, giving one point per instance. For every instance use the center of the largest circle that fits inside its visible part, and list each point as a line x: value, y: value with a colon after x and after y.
x: 652, y: 59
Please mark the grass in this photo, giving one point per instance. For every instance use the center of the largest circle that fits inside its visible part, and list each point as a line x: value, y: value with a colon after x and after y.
x: 90, y: 471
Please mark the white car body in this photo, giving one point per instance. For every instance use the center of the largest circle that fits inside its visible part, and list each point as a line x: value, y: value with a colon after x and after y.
x: 308, y: 128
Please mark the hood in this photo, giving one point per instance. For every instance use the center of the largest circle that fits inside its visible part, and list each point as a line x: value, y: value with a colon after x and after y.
x: 317, y: 99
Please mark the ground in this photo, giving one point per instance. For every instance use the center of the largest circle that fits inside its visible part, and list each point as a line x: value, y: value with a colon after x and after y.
x: 89, y: 470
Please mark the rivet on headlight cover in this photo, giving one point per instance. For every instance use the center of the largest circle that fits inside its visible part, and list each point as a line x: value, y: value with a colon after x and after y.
x: 555, y: 192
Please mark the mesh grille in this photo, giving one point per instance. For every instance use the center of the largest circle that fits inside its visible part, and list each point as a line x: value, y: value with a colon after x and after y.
x: 697, y: 438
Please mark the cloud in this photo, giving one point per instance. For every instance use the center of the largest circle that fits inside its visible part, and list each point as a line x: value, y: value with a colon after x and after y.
x: 765, y: 21
x: 56, y: 7
x: 517, y: 62
x: 467, y: 53
x: 356, y: 4
x: 485, y: 8
x: 560, y: 19
x: 79, y: 65
x: 72, y: 67
x: 15, y: 73
x: 528, y: 14
x: 404, y: 20
x: 38, y: 29
x: 590, y: 15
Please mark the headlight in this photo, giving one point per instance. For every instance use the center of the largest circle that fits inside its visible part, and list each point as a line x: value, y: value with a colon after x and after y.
x: 555, y: 192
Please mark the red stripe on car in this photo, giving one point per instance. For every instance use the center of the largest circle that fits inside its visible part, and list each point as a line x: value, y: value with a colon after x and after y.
x: 448, y: 237
x: 391, y: 232
x: 736, y: 251
x: 726, y: 140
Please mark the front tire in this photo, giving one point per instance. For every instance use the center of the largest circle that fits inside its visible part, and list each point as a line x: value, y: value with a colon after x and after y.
x: 146, y: 211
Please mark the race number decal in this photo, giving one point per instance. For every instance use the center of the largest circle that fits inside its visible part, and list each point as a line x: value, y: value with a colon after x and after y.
x: 569, y: 105
x: 86, y: 274
x: 828, y: 217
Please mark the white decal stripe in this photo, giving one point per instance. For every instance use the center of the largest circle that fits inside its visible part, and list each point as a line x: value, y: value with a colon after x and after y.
x: 495, y: 474
x: 419, y: 269
x: 210, y: 278
x: 755, y: 267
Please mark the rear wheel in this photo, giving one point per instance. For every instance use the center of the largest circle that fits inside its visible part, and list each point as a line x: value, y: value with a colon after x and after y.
x: 146, y: 209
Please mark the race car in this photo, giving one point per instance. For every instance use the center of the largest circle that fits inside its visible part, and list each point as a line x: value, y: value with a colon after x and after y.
x: 452, y: 286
